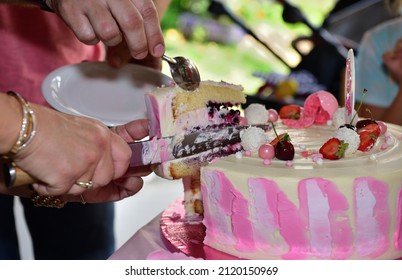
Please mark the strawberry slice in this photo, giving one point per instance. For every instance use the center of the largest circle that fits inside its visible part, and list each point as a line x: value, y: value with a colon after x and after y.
x: 333, y: 149
x: 368, y: 136
x: 283, y: 137
x: 290, y: 112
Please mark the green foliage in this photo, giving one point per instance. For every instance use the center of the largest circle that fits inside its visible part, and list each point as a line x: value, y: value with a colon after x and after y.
x: 237, y: 63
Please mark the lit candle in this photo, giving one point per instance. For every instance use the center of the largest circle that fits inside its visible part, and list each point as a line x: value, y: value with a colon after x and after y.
x: 349, y: 86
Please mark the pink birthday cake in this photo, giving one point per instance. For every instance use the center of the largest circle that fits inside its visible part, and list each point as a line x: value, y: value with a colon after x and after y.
x: 310, y: 188
x: 328, y: 201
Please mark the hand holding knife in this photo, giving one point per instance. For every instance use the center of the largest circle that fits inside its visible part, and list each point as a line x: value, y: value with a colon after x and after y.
x: 157, y: 150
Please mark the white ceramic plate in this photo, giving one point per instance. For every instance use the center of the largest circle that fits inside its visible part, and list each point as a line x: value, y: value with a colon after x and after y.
x: 96, y: 90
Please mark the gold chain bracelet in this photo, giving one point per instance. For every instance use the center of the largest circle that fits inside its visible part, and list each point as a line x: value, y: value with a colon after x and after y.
x: 47, y: 201
x: 28, y: 126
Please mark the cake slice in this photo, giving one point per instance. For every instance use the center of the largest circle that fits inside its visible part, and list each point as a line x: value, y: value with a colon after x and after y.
x: 174, y: 111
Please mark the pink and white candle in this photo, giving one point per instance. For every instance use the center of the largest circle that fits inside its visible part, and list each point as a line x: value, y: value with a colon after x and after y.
x: 349, y: 86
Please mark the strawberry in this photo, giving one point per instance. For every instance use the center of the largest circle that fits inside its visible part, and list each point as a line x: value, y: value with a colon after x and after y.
x: 282, y: 137
x: 333, y: 149
x: 290, y: 112
x: 368, y: 136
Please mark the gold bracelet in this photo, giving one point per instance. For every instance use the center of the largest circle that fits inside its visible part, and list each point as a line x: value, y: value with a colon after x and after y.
x: 28, y: 126
x: 46, y: 201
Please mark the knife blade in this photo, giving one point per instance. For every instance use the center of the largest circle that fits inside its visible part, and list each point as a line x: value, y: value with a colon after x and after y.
x: 164, y: 149
x: 156, y: 150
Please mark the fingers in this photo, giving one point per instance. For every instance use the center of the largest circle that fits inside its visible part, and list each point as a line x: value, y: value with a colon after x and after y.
x: 104, y: 25
x: 121, y: 155
x: 139, y: 171
x: 141, y: 27
x: 115, y: 191
x: 112, y: 22
x: 152, y: 27
x: 132, y: 131
x: 118, y: 56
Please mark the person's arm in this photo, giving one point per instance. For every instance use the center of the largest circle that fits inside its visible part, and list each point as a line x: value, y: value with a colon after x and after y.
x: 126, y: 185
x: 10, y: 122
x: 392, y: 60
x: 64, y: 149
x: 134, y: 21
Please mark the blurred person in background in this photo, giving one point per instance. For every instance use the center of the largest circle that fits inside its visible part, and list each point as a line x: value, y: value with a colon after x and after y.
x: 36, y: 42
x: 379, y: 69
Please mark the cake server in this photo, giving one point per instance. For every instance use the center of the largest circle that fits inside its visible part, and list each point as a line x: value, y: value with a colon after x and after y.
x: 157, y: 150
x: 184, y: 72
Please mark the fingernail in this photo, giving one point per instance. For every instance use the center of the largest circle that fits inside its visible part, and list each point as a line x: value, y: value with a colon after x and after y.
x: 159, y: 50
x: 141, y: 55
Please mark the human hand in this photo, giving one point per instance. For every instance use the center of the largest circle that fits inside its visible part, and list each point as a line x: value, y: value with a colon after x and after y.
x: 119, y: 55
x: 393, y: 61
x: 134, y: 22
x: 67, y: 149
x: 131, y: 182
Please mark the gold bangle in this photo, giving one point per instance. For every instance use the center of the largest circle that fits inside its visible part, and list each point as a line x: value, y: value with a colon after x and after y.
x: 28, y: 126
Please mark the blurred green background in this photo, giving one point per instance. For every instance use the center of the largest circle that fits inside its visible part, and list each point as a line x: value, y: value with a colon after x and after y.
x: 220, y: 49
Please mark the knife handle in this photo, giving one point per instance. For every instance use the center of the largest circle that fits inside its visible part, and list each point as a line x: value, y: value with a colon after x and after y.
x: 15, y: 176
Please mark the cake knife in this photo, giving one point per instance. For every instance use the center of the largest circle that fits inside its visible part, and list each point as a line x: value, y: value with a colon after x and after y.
x: 349, y: 87
x: 157, y: 150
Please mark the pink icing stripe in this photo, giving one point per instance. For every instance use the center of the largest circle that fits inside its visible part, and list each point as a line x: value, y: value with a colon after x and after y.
x: 372, y: 216
x: 231, y: 205
x: 285, y: 217
x: 165, y: 150
x: 214, y: 216
x: 236, y: 207
x: 265, y: 215
x: 153, y: 115
x: 398, y: 231
x: 325, y: 209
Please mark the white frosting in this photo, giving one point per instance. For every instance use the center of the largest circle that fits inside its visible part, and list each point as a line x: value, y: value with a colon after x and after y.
x: 339, y: 117
x: 256, y: 114
x: 348, y: 136
x: 252, y: 138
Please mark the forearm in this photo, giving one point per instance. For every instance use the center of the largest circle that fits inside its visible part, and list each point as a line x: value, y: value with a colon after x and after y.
x: 10, y: 122
x: 393, y: 114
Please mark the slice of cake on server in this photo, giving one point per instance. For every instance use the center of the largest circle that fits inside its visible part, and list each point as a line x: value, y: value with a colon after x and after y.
x: 211, y: 110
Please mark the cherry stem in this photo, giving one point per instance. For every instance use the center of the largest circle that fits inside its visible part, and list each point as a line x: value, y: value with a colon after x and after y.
x: 277, y: 136
x: 360, y: 105
x: 371, y: 114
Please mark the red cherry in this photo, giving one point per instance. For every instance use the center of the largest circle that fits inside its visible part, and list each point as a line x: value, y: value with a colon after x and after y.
x: 284, y: 150
x: 266, y: 151
x: 362, y: 123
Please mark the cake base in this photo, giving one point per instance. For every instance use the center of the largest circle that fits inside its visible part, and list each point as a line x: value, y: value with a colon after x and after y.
x: 186, y: 235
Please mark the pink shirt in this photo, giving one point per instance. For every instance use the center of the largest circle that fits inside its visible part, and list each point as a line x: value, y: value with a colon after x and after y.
x: 32, y: 44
